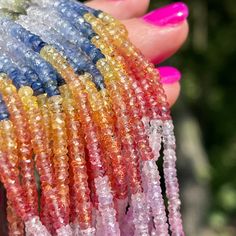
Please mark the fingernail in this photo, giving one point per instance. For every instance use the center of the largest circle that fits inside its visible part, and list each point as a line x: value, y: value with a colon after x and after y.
x: 171, y: 14
x: 168, y: 74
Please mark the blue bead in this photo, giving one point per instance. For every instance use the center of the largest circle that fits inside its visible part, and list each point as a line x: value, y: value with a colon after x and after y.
x: 36, y: 43
x: 97, y: 13
x: 4, y: 114
x: 19, y: 81
x: 14, y: 73
x: 79, y: 7
x: 51, y: 88
x: 30, y: 40
x: 44, y: 70
x: 60, y: 80
x: 37, y: 87
x: 76, y: 19
x: 82, y: 11
x: 91, y: 35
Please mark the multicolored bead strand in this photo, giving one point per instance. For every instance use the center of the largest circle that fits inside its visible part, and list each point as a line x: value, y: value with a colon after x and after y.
x: 164, y: 108
x: 80, y: 189
x: 43, y: 159
x: 15, y: 224
x: 10, y: 179
x: 142, y: 141
x: 18, y: 118
x: 82, y: 109
x: 77, y: 88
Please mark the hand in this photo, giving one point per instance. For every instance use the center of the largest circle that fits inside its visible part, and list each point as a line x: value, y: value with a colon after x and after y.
x: 158, y: 34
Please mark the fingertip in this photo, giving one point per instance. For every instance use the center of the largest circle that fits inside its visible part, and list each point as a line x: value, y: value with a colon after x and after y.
x: 156, y: 43
x: 169, y: 15
x: 170, y: 79
x: 121, y: 9
x: 169, y: 74
x: 172, y: 92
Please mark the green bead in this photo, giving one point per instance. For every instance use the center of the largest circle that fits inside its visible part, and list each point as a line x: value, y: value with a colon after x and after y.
x: 14, y: 7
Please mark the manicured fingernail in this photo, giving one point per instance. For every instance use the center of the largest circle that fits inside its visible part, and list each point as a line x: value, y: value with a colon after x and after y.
x: 171, y: 14
x: 169, y: 75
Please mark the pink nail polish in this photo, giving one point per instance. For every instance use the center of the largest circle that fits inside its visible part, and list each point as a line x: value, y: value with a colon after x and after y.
x: 171, y: 14
x: 169, y: 75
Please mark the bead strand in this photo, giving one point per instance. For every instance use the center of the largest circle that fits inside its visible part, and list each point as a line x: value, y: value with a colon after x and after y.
x: 46, y: 122
x: 26, y: 163
x: 15, y: 224
x: 9, y: 146
x: 80, y: 187
x: 152, y: 181
x: 9, y: 176
x: 171, y: 181
x: 60, y: 157
x: 129, y: 151
x: 84, y: 110
x: 109, y: 141
x: 83, y: 104
x: 42, y: 155
x: 145, y: 72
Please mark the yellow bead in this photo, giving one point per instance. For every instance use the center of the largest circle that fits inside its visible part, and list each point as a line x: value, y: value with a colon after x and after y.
x: 25, y: 92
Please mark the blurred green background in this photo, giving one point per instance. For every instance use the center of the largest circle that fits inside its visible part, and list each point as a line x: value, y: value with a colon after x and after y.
x: 205, y: 118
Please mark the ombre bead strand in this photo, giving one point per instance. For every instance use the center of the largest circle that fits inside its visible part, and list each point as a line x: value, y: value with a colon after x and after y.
x: 42, y: 154
x: 60, y: 151
x: 46, y: 122
x: 15, y: 224
x: 141, y: 138
x: 171, y: 181
x: 153, y: 185
x: 144, y: 71
x: 92, y: 140
x: 10, y: 178
x: 18, y: 118
x: 110, y: 144
x: 107, y: 129
x: 124, y: 128
x: 80, y: 189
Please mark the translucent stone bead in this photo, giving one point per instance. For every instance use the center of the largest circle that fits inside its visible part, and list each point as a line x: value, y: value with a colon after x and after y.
x: 140, y: 214
x: 33, y: 227
x: 79, y: 60
x: 19, y: 119
x: 155, y: 134
x: 42, y: 155
x: 65, y: 231
x: 171, y: 181
x: 153, y: 193
x: 9, y: 173
x: 46, y: 73
x: 81, y: 206
x: 15, y: 224
x: 88, y: 232
x: 106, y: 207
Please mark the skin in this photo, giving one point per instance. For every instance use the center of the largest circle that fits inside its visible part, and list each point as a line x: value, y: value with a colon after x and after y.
x: 156, y: 43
